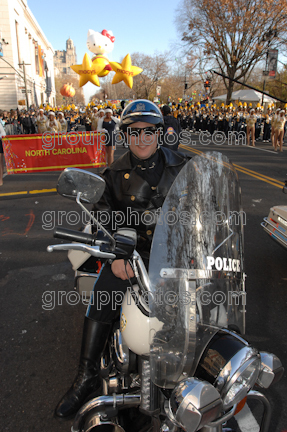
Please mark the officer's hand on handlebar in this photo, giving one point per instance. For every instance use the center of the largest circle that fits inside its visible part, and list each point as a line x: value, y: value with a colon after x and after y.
x: 120, y: 269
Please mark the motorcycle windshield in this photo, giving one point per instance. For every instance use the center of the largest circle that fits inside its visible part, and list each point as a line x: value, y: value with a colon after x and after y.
x: 196, y: 267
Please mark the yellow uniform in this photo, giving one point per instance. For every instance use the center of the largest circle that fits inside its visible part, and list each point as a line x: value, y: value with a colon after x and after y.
x: 94, y: 123
x: 63, y: 124
x: 279, y: 123
x: 41, y: 123
x: 53, y: 126
x: 251, y: 120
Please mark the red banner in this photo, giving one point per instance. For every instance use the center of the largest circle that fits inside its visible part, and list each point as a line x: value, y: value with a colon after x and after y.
x: 53, y: 151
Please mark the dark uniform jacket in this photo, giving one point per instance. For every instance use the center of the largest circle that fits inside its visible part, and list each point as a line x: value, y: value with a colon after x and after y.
x: 134, y: 200
x: 171, y: 132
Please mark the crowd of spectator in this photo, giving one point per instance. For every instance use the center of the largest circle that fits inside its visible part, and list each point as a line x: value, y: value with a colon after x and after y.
x: 17, y: 122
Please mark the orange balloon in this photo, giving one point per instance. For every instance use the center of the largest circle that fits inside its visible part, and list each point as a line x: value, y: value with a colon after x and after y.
x: 67, y: 90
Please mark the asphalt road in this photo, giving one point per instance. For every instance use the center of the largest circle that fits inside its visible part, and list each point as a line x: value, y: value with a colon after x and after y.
x: 40, y: 347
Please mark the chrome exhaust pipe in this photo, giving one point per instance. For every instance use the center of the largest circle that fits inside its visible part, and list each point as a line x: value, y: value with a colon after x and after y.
x: 98, y: 421
x: 97, y: 406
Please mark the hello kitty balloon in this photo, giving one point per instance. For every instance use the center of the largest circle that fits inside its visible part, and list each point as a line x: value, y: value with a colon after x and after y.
x: 99, y: 66
x: 101, y: 44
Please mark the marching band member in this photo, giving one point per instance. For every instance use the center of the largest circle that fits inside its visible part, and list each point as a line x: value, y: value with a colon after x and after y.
x: 41, y: 121
x: 52, y: 125
x: 94, y: 119
x: 273, y: 121
x: 63, y: 122
x: 279, y: 130
x: 258, y: 123
x: 267, y: 125
x: 250, y: 122
x: 101, y: 113
x: 220, y: 120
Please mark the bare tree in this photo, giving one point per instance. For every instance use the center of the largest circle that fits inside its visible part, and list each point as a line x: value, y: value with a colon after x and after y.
x: 236, y: 34
x: 154, y: 68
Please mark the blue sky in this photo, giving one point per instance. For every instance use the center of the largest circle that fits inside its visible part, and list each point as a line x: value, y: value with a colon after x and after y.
x: 146, y: 29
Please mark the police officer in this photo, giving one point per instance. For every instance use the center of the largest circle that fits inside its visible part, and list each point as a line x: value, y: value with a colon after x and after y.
x: 137, y: 182
x: 171, y: 129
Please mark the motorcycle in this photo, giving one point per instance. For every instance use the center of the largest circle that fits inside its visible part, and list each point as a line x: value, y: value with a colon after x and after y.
x: 177, y: 359
x: 276, y: 223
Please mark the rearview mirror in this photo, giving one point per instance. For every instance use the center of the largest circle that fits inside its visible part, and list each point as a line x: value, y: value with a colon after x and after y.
x: 73, y: 181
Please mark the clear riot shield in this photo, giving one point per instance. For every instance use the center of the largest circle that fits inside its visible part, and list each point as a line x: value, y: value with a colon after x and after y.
x: 196, y: 266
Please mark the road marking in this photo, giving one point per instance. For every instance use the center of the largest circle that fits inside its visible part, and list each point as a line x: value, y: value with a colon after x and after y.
x: 42, y: 191
x: 244, y: 170
x: 28, y: 192
x: 246, y: 420
x: 258, y: 148
x: 14, y: 193
x: 261, y: 175
x: 258, y: 177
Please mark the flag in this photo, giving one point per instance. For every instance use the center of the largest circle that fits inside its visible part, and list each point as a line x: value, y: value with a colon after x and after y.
x: 41, y: 61
x: 272, y: 57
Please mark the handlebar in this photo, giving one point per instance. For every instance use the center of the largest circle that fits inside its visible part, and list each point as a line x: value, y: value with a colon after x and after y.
x: 71, y: 235
x: 92, y: 250
x: 99, y: 247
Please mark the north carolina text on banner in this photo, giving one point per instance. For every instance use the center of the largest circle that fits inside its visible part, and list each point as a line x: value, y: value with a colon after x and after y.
x: 53, y: 151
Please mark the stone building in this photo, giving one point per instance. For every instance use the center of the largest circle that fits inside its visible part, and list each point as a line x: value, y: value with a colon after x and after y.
x: 23, y: 41
x: 64, y: 59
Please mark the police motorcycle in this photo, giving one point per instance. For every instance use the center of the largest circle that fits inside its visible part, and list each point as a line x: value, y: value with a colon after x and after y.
x: 275, y: 224
x: 179, y: 356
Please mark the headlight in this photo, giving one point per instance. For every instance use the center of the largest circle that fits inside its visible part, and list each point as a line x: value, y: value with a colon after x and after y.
x: 271, y: 370
x: 231, y: 365
x: 237, y: 381
x: 193, y: 404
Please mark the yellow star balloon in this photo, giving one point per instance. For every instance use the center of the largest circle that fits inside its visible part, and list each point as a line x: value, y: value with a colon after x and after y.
x: 87, y: 71
x: 125, y: 71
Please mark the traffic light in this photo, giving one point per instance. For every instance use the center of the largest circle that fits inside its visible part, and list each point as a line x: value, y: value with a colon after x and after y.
x: 207, y: 83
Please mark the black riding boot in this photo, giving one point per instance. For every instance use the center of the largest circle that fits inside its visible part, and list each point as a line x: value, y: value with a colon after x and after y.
x: 95, y: 335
